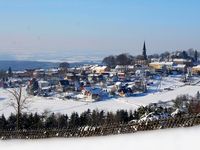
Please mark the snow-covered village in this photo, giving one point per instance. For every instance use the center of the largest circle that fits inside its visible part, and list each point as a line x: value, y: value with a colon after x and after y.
x: 121, y: 82
x: 99, y: 74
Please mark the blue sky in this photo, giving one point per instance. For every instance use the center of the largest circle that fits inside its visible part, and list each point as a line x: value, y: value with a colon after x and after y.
x: 92, y: 26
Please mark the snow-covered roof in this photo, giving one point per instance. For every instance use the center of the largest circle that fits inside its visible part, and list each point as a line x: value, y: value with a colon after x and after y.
x: 162, y: 63
x: 118, y: 83
x: 39, y: 70
x: 181, y: 60
x: 41, y: 81
x: 70, y: 74
x: 179, y: 66
x: 196, y: 67
x: 53, y: 70
x: 93, y: 90
x: 124, y: 67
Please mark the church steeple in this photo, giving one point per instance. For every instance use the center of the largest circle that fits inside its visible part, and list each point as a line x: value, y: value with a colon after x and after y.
x: 144, y: 53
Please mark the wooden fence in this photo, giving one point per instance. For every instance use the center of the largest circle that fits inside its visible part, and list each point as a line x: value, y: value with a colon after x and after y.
x: 106, y: 129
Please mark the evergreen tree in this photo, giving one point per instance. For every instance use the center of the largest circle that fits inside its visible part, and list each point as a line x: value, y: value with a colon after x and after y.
x: 196, y: 56
x: 74, y: 120
x: 10, y: 72
x: 110, y: 61
x: 198, y: 95
x: 3, y: 122
x: 63, y: 121
x: 25, y: 121
x: 51, y: 122
x: 12, y: 122
x: 37, y: 121
x: 110, y: 118
x: 184, y: 55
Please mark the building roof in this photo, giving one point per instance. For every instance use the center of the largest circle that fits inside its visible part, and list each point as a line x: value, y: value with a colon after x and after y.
x: 181, y: 60
x: 93, y: 90
x: 64, y: 82
x: 196, y: 67
x: 179, y: 66
x: 169, y: 63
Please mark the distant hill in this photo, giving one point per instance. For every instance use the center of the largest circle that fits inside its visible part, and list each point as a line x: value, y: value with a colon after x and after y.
x: 21, y: 65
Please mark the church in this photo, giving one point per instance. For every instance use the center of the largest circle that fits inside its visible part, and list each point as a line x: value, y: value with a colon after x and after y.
x: 143, y: 60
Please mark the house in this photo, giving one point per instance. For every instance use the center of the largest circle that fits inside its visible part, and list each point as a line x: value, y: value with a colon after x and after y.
x: 63, y: 86
x: 177, y: 69
x: 44, y: 88
x: 33, y: 87
x: 92, y: 93
x: 42, y: 84
x: 99, y: 69
x: 23, y: 74
x: 70, y: 76
x: 161, y: 66
x: 39, y: 73
x: 196, y: 70
x: 139, y: 86
x: 77, y: 86
x: 187, y: 62
x: 124, y: 68
x: 53, y: 72
x: 121, y: 76
x: 156, y: 65
x: 14, y: 82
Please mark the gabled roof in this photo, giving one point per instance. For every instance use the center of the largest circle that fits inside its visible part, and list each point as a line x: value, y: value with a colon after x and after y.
x: 64, y: 82
x: 93, y: 90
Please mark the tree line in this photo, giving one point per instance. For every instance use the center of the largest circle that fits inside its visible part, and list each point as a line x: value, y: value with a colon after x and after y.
x: 127, y: 59
x: 61, y: 121
x: 182, y: 105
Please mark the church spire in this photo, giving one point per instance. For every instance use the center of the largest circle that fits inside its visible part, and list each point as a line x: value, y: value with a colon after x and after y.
x: 144, y: 51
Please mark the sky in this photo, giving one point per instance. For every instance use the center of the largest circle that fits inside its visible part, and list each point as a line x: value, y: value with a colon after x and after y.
x: 32, y: 29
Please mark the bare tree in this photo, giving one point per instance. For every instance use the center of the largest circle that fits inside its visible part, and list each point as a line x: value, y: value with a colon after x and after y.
x: 19, y: 102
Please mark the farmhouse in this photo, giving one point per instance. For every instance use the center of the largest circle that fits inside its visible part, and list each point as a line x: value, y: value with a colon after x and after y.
x: 92, y: 93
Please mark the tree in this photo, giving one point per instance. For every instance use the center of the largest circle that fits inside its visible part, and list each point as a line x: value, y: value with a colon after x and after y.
x: 3, y: 75
x: 165, y: 55
x: 63, y: 68
x: 3, y: 122
x: 11, y: 122
x: 110, y: 61
x: 153, y: 56
x: 64, y: 65
x: 190, y: 52
x: 18, y: 102
x: 62, y: 121
x: 33, y: 87
x: 51, y: 122
x: 196, y: 56
x: 10, y: 72
x: 124, y: 59
x: 198, y: 95
x: 184, y: 55
x: 74, y: 120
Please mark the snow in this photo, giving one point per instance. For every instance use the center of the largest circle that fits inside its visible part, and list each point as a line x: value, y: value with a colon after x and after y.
x: 167, y: 139
x: 180, y: 138
x: 58, y: 105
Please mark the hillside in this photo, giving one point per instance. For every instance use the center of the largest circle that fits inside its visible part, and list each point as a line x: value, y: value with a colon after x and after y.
x: 181, y: 138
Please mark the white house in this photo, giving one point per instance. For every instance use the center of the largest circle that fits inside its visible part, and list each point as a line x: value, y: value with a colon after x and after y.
x: 92, y: 93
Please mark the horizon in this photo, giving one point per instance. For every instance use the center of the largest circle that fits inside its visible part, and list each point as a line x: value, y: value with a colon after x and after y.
x: 51, y: 30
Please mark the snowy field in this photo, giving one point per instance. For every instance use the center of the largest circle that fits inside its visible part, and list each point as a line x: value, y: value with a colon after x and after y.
x: 168, y: 139
x: 56, y: 105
